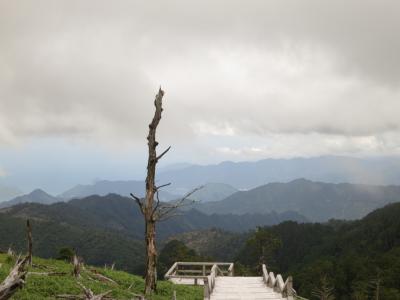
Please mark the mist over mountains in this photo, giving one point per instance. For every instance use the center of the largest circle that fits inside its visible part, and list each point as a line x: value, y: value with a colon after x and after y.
x: 247, y: 175
x: 105, y: 187
x: 7, y: 192
x: 242, y: 176
x: 263, y: 187
x: 317, y: 201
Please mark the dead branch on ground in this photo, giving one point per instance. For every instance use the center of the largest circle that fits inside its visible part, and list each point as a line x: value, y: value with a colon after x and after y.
x: 15, y: 279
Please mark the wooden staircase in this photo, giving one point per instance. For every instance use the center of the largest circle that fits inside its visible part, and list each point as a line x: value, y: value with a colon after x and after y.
x: 242, y: 288
x: 220, y: 284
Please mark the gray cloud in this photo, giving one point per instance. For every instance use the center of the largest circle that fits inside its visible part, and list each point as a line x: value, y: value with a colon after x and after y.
x: 288, y: 71
x: 3, y: 173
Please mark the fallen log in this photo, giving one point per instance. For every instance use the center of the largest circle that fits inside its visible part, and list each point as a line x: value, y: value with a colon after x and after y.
x: 90, y: 295
x: 72, y: 297
x: 15, y: 279
x: 47, y: 273
x: 101, y: 277
x: 43, y: 267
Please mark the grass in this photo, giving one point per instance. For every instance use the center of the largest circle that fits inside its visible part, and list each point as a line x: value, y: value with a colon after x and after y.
x: 47, y: 287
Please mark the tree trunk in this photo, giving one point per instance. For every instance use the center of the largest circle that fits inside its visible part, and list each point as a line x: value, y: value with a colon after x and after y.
x: 151, y: 265
x: 148, y: 210
x: 30, y: 244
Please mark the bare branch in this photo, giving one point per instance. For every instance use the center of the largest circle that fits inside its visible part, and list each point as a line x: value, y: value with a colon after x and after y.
x: 139, y: 202
x: 157, y: 204
x: 164, y: 212
x: 192, y: 192
x: 169, y: 215
x: 162, y: 154
x: 161, y: 186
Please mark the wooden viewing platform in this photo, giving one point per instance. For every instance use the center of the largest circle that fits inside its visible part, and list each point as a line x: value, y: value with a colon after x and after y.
x: 220, y: 283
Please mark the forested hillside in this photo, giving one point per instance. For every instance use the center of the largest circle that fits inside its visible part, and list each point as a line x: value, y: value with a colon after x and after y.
x: 108, y: 229
x: 114, y: 212
x: 353, y: 256
x: 104, y: 230
x: 97, y: 247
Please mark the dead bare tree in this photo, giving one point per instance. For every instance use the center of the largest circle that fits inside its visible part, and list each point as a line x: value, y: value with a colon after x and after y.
x: 30, y: 244
x: 150, y: 206
x: 77, y: 266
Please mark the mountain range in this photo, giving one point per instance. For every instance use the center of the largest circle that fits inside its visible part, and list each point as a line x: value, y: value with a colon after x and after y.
x: 243, y: 176
x: 317, y: 201
x: 208, y: 192
x: 105, y: 187
x: 247, y: 175
x: 36, y: 196
x: 310, y: 200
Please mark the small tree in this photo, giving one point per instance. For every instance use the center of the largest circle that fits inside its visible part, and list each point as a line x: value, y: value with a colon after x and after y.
x: 324, y: 291
x: 376, y: 283
x: 259, y: 249
x: 66, y: 254
x: 151, y: 208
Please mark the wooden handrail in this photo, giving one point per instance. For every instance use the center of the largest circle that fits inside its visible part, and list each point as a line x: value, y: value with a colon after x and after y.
x: 206, y: 263
x: 171, y: 270
x: 209, y: 282
x: 277, y: 283
x: 179, y: 270
x: 230, y: 270
x: 183, y: 270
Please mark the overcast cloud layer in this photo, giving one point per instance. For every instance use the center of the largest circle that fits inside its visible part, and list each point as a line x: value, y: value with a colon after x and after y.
x: 243, y: 79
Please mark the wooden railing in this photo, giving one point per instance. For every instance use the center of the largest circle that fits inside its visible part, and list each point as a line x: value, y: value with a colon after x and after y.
x: 200, y: 273
x: 278, y: 285
x: 197, y: 270
x: 209, y: 281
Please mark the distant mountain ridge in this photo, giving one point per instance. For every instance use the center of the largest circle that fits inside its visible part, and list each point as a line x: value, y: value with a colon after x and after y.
x: 213, y: 192
x: 105, y: 187
x: 248, y: 174
x: 36, y: 196
x: 317, y: 201
x: 208, y: 192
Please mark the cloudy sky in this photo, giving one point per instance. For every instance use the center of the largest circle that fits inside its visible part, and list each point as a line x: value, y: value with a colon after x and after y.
x: 244, y: 80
